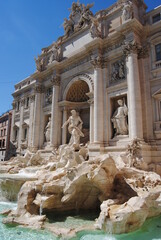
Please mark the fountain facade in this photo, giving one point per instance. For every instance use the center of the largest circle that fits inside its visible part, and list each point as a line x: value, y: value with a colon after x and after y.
x: 82, y: 125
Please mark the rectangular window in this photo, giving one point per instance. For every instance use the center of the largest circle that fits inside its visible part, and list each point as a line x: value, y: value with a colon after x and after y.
x: 4, y: 132
x: 3, y: 145
x: 1, y: 133
x: 16, y: 134
x: 25, y: 133
x: 27, y: 102
x: 156, y: 18
x: 158, y: 52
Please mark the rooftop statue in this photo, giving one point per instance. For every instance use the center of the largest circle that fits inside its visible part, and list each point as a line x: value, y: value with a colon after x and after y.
x: 68, y: 26
x: 127, y: 12
x: 79, y: 17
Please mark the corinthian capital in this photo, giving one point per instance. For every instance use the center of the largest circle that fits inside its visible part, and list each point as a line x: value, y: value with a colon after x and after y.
x: 39, y: 88
x: 131, y: 47
x: 98, y: 62
x: 14, y: 105
x: 143, y: 52
x: 56, y: 80
x: 22, y: 102
x: 32, y: 98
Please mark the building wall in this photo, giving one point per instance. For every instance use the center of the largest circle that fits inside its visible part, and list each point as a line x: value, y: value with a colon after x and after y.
x: 117, y: 59
x: 5, y: 128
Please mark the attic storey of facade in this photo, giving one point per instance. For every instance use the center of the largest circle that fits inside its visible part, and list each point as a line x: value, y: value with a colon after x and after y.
x: 107, y: 68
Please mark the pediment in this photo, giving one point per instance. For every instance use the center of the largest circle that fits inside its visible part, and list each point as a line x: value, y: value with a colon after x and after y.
x: 157, y: 94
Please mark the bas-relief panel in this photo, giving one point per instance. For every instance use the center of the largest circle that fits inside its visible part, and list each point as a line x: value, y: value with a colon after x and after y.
x: 48, y: 96
x: 117, y: 71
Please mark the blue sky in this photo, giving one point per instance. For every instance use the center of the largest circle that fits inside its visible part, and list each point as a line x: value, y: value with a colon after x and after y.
x: 26, y: 26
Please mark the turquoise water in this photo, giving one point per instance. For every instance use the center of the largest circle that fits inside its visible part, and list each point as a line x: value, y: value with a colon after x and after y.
x: 151, y: 230
x: 18, y: 233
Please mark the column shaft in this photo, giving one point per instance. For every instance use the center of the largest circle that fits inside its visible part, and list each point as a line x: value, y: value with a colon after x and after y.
x: 31, y: 121
x: 55, y: 113
x: 64, y: 130
x: 98, y: 105
x: 134, y: 97
x: 21, y: 123
x: 36, y: 124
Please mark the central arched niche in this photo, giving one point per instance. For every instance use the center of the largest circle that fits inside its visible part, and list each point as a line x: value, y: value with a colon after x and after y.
x: 77, y: 94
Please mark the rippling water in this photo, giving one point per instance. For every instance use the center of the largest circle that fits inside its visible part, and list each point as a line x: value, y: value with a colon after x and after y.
x: 150, y: 231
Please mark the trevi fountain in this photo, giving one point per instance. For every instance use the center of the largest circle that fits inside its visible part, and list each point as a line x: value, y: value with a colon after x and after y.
x: 88, y: 166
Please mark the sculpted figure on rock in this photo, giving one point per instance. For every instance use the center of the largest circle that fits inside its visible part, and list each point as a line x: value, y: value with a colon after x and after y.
x: 119, y: 119
x: 75, y: 126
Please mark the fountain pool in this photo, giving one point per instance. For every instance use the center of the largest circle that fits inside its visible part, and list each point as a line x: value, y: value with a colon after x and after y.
x: 151, y: 230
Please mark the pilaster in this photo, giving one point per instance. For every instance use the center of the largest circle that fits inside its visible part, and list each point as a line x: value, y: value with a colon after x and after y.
x: 131, y: 50
x: 55, y: 111
x: 64, y: 130
x: 13, y: 121
x: 39, y: 89
x: 98, y: 64
x: 31, y: 120
x: 22, y: 104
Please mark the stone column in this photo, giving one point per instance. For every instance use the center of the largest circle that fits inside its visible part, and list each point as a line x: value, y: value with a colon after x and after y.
x: 37, y: 115
x: 146, y: 93
x: 64, y: 130
x: 134, y: 92
x: 98, y: 100
x: 22, y: 103
x: 91, y: 103
x: 31, y: 121
x: 13, y: 122
x: 55, y: 112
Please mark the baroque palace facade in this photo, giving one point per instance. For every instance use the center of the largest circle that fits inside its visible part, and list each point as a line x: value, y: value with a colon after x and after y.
x: 107, y: 67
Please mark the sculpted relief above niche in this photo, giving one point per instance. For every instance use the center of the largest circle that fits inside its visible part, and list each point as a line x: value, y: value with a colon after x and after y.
x: 118, y: 71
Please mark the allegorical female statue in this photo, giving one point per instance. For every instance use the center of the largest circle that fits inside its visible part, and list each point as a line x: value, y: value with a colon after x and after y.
x: 74, y: 128
x: 47, y: 130
x: 119, y: 119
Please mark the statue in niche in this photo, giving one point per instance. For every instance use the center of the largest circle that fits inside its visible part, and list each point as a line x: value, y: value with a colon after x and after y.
x: 47, y: 130
x: 75, y: 129
x: 119, y: 118
x: 127, y: 12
